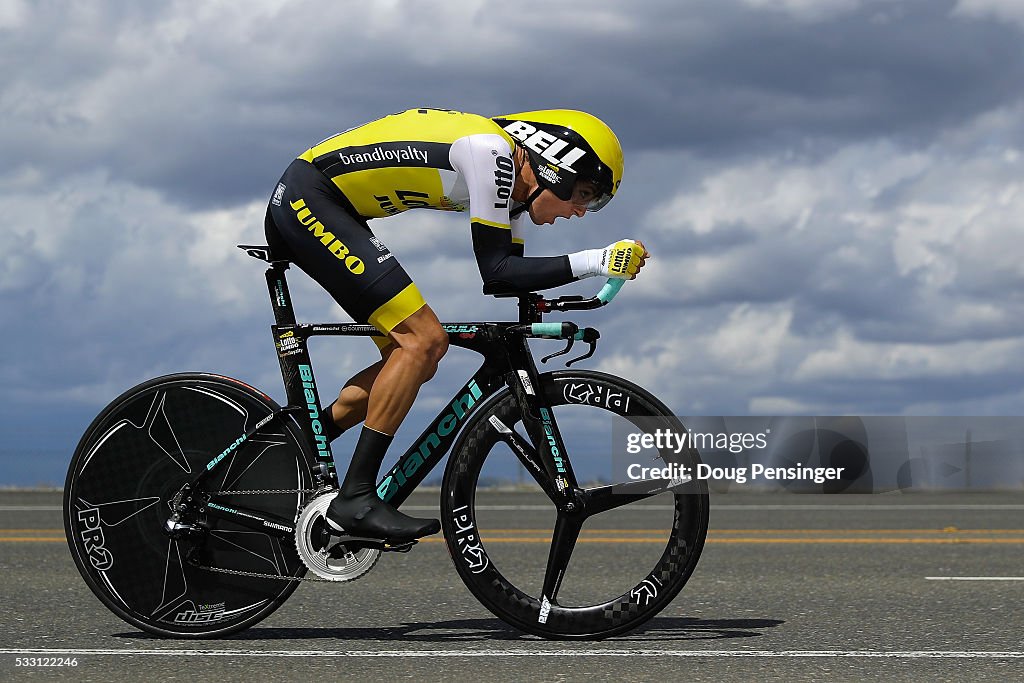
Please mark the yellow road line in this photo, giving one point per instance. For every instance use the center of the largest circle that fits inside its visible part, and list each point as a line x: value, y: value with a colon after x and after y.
x: 594, y: 531
x: 761, y: 541
x: 773, y: 532
x: 948, y: 530
x: 890, y: 541
x: 712, y: 532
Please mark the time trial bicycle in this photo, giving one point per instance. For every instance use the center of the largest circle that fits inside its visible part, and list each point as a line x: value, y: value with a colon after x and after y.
x: 194, y: 504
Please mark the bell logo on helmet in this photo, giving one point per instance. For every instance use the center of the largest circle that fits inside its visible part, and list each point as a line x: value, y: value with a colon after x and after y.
x: 546, y: 145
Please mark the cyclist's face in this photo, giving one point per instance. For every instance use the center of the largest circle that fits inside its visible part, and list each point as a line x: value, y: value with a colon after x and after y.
x: 547, y: 207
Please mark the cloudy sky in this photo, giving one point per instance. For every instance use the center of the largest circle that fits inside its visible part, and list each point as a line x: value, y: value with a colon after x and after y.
x: 831, y: 191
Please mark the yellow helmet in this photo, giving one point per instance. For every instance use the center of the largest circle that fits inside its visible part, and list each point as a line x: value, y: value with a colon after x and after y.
x: 565, y: 146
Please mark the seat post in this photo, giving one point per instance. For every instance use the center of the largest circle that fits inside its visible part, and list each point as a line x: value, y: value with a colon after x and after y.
x: 280, y: 299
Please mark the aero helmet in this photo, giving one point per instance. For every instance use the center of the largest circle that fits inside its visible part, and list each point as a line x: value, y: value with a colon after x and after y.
x: 565, y: 146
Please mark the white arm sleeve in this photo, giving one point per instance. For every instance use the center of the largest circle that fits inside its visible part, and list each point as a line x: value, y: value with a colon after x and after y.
x: 485, y: 161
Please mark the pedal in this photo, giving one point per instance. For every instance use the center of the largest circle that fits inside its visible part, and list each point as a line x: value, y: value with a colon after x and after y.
x: 400, y: 547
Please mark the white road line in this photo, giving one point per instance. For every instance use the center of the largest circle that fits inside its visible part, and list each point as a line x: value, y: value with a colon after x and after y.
x: 24, y: 508
x: 974, y: 578
x: 441, y: 654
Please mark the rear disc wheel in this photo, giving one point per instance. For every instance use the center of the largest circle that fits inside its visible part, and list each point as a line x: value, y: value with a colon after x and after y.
x: 131, y: 463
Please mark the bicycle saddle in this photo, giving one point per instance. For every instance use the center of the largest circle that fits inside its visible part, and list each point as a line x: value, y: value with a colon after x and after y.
x: 263, y: 252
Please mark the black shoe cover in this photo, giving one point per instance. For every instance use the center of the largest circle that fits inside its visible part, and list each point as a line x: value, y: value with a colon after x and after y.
x: 367, y: 515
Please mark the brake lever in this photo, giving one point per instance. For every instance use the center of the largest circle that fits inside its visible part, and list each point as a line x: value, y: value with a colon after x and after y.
x: 590, y: 336
x: 588, y: 354
x: 564, y: 351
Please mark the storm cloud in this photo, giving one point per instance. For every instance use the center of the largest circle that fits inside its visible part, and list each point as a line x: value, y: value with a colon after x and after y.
x: 831, y: 191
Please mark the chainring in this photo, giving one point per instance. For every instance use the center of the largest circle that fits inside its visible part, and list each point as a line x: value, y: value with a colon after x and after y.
x: 323, y: 552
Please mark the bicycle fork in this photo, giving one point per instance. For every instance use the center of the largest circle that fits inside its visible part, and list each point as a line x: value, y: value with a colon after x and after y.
x: 551, y: 467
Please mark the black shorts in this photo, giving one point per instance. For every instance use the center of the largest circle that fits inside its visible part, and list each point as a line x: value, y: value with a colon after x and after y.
x: 312, y: 222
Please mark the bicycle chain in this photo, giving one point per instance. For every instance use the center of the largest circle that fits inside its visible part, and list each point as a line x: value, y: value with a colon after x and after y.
x: 257, y: 575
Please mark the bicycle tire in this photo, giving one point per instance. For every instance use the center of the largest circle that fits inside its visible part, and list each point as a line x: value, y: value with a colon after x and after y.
x: 133, y: 459
x: 485, y: 575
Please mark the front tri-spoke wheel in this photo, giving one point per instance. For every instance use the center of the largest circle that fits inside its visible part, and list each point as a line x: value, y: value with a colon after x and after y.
x: 598, y: 570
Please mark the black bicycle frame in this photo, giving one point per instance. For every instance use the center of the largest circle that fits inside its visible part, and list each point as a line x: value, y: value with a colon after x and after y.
x: 507, y: 362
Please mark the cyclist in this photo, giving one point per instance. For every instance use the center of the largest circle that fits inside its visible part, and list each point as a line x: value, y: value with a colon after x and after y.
x: 547, y: 164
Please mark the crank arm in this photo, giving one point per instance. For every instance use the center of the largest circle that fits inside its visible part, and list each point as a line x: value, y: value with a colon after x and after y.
x: 361, y: 542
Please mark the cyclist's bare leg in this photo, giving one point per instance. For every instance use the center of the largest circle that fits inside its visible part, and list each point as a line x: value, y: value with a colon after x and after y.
x: 421, y: 351
x: 419, y: 344
x: 350, y: 407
